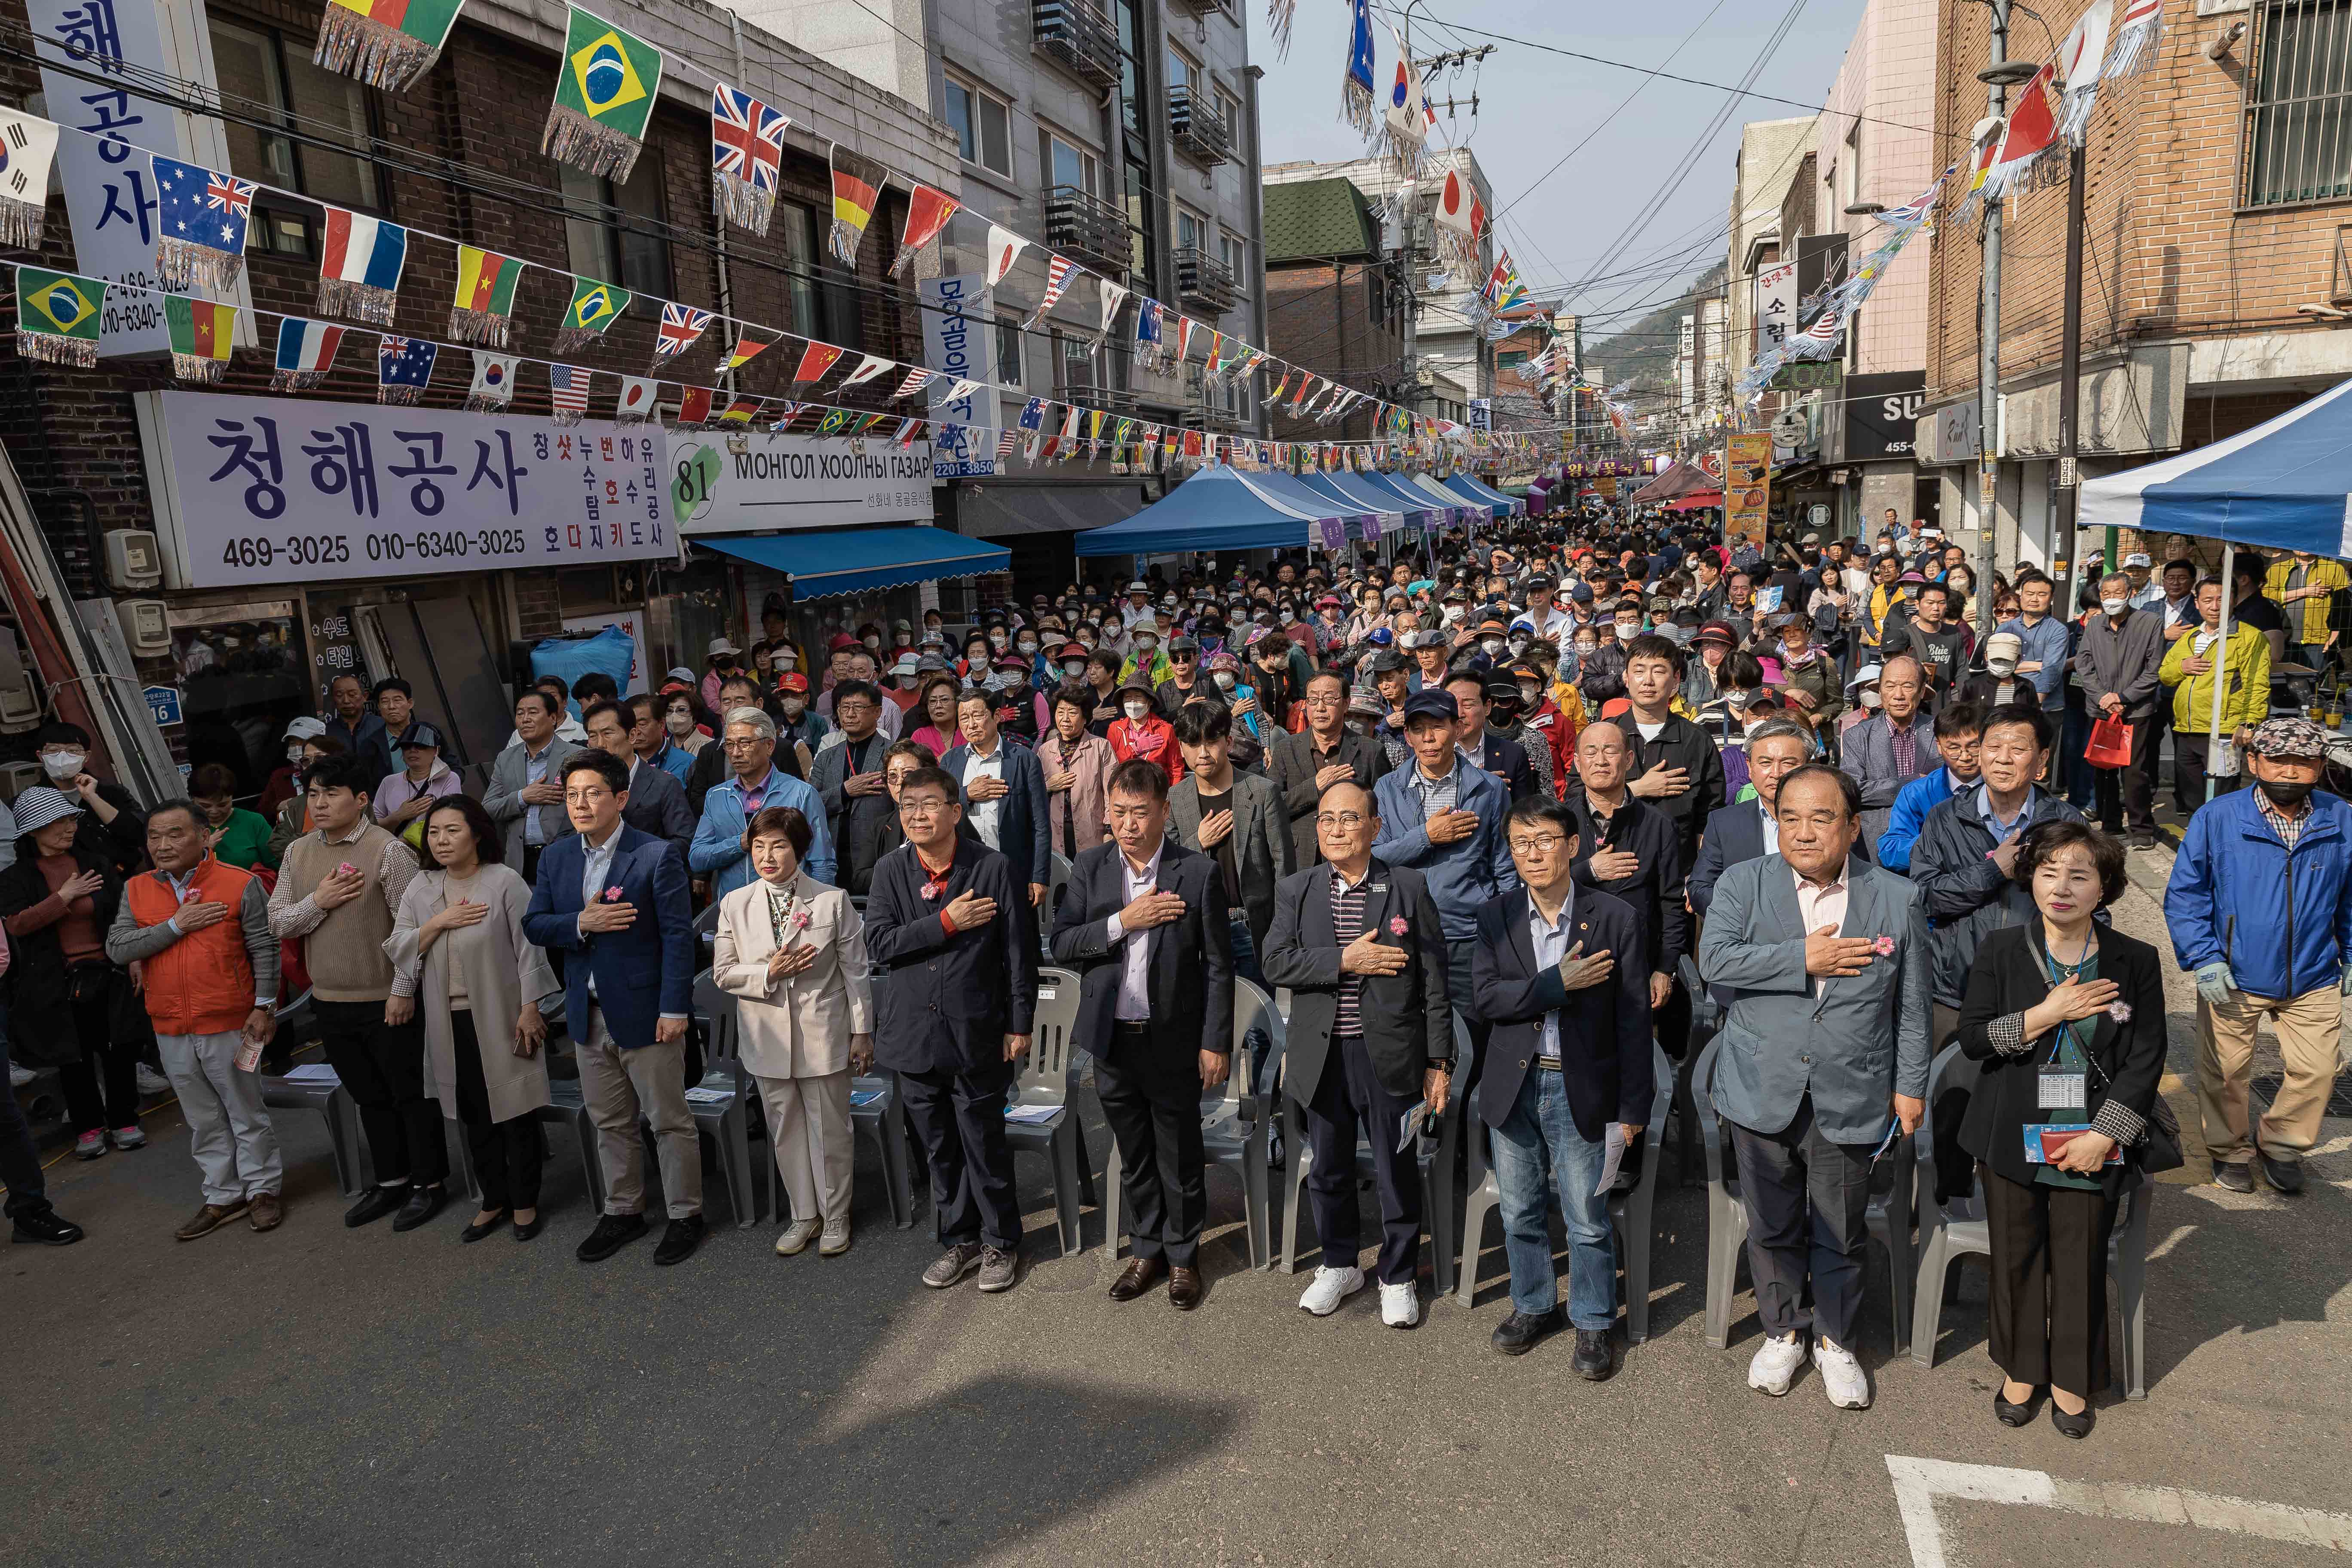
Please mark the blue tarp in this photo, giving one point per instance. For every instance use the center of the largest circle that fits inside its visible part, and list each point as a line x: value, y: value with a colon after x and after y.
x: 859, y: 560
x: 1470, y: 490
x: 1211, y: 510
x: 2283, y: 485
x: 1451, y: 512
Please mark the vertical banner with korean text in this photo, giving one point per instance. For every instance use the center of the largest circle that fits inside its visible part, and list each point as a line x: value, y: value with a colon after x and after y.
x: 1746, y: 488
x: 959, y: 327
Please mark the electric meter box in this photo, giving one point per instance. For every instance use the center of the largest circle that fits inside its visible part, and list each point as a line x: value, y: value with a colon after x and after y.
x: 145, y: 626
x: 133, y: 559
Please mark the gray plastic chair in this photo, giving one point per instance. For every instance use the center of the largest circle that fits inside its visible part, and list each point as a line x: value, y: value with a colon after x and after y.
x: 1889, y: 1218
x: 725, y: 1119
x: 1057, y: 879
x: 565, y: 1108
x: 877, y: 1109
x: 330, y: 1100
x: 1707, y: 1019
x: 1046, y: 1079
x: 1629, y: 1212
x: 1234, y: 1127
x: 1953, y: 1230
x: 1435, y: 1156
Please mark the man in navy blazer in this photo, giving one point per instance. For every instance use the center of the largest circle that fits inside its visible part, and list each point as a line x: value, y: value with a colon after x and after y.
x: 614, y: 901
x: 955, y: 992
x: 1558, y: 1075
x: 1003, y: 794
x: 1745, y: 830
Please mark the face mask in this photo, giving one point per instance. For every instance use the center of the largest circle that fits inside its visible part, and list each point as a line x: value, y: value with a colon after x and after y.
x: 794, y: 707
x: 1452, y: 614
x: 872, y: 641
x: 996, y: 639
x: 2284, y: 793
x: 1584, y: 649
x: 1491, y: 646
x: 1529, y: 692
x: 1870, y: 701
x: 1145, y: 647
x: 2004, y: 668
x: 679, y: 724
x: 294, y: 755
x: 1519, y: 642
x: 1224, y: 681
x: 2114, y: 606
x: 1073, y: 671
x: 1137, y: 712
x: 1628, y: 630
x: 61, y: 764
x: 784, y: 661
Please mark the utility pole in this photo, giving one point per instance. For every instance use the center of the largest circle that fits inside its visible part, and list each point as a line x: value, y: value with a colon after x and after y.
x: 1406, y: 206
x: 1998, y: 78
x: 2069, y: 376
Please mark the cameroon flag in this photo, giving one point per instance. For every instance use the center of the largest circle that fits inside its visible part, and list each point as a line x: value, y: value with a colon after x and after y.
x: 201, y: 333
x: 485, y: 300
x: 56, y: 316
x: 384, y: 43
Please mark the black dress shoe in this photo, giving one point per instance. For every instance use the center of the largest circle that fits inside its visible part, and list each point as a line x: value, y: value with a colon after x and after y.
x: 613, y: 1232
x: 423, y: 1204
x: 679, y: 1242
x: 1592, y: 1360
x: 2015, y: 1414
x: 1184, y: 1288
x: 378, y: 1203
x: 475, y: 1232
x: 1518, y: 1335
x: 1140, y: 1275
x: 2076, y: 1427
x: 525, y: 1232
x: 45, y: 1227
x: 2237, y: 1176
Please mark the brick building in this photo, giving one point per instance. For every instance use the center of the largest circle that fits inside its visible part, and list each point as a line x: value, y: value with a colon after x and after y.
x: 2216, y: 275
x: 1332, y: 303
x: 458, y: 155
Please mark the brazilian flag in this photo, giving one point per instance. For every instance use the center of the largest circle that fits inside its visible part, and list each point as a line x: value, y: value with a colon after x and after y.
x: 56, y: 316
x: 594, y: 307
x: 604, y: 98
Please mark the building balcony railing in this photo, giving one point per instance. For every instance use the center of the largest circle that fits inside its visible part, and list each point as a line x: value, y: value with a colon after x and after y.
x: 1203, y: 7
x: 1087, y: 229
x: 1080, y: 36
x: 1204, y: 284
x: 1196, y: 130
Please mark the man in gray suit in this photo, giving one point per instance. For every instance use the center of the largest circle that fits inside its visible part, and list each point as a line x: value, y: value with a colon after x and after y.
x: 1824, y: 1048
x: 656, y: 803
x: 1237, y: 820
x: 526, y: 794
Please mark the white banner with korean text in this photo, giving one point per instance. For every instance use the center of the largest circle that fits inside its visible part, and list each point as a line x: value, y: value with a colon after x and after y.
x: 289, y: 489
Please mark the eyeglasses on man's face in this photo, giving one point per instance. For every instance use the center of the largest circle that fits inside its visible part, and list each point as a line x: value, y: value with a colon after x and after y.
x: 1533, y: 845
x: 1348, y: 820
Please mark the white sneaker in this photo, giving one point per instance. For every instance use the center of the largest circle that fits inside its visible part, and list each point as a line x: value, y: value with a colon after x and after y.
x: 1399, y: 1306
x: 797, y: 1235
x: 1329, y: 1288
x: 1843, y: 1378
x: 1776, y: 1362
x: 18, y: 1077
x: 151, y: 1082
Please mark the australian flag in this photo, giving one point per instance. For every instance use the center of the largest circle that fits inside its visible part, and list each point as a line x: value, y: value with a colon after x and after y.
x: 200, y: 225
x: 404, y: 367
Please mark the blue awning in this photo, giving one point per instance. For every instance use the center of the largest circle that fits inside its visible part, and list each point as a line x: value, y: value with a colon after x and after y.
x: 1469, y: 489
x: 1350, y: 490
x: 1214, y: 510
x: 2282, y: 485
x: 859, y: 560
x: 1450, y: 514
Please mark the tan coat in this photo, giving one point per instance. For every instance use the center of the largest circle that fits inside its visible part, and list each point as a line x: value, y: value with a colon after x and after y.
x: 502, y: 971
x: 800, y: 1026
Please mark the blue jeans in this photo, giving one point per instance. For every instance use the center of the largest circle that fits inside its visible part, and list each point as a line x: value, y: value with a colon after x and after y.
x: 1536, y: 1147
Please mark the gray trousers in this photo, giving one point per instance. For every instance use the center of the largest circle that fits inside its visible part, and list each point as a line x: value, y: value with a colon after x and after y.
x: 618, y: 1086
x: 230, y: 1130
x: 810, y: 1132
x: 1808, y: 1204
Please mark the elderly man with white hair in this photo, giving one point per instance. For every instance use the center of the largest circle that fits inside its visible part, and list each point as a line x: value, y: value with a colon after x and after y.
x: 754, y: 783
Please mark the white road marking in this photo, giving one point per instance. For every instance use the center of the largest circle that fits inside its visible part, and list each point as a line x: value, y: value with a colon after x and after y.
x: 1919, y: 1482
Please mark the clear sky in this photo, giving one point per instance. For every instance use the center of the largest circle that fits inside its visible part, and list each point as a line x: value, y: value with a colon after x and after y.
x: 1570, y: 226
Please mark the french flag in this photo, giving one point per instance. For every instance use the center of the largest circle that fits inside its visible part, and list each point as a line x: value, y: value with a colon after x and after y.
x: 306, y: 351
x: 359, y: 266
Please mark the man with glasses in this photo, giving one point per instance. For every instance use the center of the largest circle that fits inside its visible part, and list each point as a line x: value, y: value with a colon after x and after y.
x: 613, y: 902
x: 717, y: 850
x: 1184, y: 682
x: 1359, y: 944
x: 1306, y: 764
x: 1558, y: 1075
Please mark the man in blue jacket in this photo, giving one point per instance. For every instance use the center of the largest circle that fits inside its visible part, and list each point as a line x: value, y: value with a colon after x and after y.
x: 753, y: 783
x: 614, y: 900
x: 1443, y: 818
x: 2260, y: 906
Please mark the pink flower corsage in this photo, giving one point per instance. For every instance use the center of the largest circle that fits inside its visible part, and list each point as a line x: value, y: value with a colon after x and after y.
x: 1883, y: 946
x: 931, y: 890
x: 1397, y: 926
x: 612, y: 894
x: 2119, y: 1011
x: 800, y: 920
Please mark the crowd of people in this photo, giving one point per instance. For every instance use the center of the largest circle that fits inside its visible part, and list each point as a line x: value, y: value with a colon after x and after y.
x: 1486, y: 815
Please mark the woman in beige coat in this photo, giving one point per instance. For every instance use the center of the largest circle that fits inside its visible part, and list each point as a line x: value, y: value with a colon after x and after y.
x: 793, y: 952
x: 457, y: 945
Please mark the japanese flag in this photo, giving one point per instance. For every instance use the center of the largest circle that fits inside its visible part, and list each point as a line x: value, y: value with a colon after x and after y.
x: 1004, y: 248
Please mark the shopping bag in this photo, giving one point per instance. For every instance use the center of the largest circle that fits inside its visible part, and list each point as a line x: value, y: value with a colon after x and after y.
x: 2111, y: 745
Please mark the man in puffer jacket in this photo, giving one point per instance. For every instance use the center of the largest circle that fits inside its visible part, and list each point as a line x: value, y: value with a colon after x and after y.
x: 2260, y: 906
x: 1962, y: 858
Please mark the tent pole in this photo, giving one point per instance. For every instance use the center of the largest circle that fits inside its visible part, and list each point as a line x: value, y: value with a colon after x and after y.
x: 2221, y: 665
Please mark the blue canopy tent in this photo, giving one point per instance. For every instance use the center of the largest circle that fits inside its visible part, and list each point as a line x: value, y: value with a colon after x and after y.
x: 1214, y: 510
x: 823, y: 562
x: 1470, y: 490
x: 1451, y: 512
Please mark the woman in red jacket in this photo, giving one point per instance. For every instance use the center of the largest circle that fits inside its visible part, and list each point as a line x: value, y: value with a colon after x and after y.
x: 1141, y: 732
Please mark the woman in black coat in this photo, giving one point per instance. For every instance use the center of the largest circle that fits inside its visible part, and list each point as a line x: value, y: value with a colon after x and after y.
x: 2067, y: 1017
x: 83, y: 1015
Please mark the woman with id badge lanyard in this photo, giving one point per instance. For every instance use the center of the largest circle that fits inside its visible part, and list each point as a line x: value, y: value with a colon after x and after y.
x: 2066, y: 1016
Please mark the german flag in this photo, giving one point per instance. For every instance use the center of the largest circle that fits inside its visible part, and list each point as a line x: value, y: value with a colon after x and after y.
x: 485, y: 292
x: 201, y: 335
x: 857, y: 192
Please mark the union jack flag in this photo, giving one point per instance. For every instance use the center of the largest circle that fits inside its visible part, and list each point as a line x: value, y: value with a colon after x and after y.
x: 747, y: 137
x: 681, y: 328
x: 232, y: 196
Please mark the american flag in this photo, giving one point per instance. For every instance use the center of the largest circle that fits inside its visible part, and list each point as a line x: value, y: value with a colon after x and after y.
x: 746, y: 138
x: 1059, y: 273
x: 230, y: 195
x: 681, y: 328
x: 569, y: 384
x: 915, y: 379
x: 1005, y: 441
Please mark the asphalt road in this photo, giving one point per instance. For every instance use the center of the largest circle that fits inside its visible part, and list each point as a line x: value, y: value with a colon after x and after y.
x: 369, y: 1397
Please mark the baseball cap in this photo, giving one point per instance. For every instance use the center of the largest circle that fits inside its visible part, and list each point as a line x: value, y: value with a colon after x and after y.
x: 678, y: 673
x: 1582, y: 592
x: 1432, y: 703
x: 2004, y: 645
x: 419, y: 734
x: 1379, y: 637
x: 2272, y: 738
x: 1417, y: 640
x: 1384, y: 661
x: 2137, y: 558
x: 1365, y: 699
x: 305, y: 729
x: 791, y: 681
x: 1176, y: 645
x: 908, y: 664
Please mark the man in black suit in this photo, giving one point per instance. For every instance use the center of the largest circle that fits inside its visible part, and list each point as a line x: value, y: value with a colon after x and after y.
x: 656, y: 803
x: 1505, y: 759
x: 955, y: 986
x: 1361, y: 947
x: 1143, y: 921
x: 1557, y: 1075
x: 1325, y: 752
x: 1629, y: 848
x: 1746, y: 830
